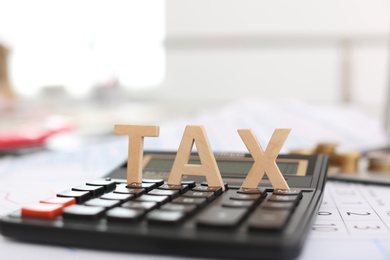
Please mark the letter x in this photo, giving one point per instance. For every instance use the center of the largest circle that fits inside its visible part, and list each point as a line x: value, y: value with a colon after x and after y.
x: 264, y: 162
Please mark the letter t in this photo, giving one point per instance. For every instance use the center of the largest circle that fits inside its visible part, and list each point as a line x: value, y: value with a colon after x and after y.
x: 136, y: 135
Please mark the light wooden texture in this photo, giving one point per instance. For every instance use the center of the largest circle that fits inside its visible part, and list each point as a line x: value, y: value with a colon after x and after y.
x: 136, y: 135
x: 208, y: 166
x: 264, y: 162
x: 5, y: 85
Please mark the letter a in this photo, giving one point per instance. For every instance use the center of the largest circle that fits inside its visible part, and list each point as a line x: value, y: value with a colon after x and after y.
x: 208, y: 167
x: 136, y: 135
x: 264, y: 162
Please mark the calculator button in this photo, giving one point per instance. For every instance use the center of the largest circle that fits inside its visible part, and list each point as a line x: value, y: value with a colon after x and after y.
x: 266, y: 219
x: 170, y: 193
x: 221, y: 217
x: 165, y: 217
x: 200, y: 194
x: 283, y: 198
x: 288, y: 192
x: 240, y: 196
x: 190, y: 184
x: 117, y: 196
x: 102, y: 203
x: 150, y: 198
x: 217, y: 190
x: 124, y: 190
x: 95, y: 191
x: 58, y: 200
x: 107, y: 184
x: 252, y: 191
x: 80, y: 196
x: 204, y: 183
x: 278, y: 205
x: 124, y: 214
x: 42, y: 210
x: 238, y: 203
x: 158, y: 182
x: 83, y: 212
x: 188, y: 209
x: 144, y: 205
x: 199, y: 202
x: 146, y: 186
x: 181, y: 188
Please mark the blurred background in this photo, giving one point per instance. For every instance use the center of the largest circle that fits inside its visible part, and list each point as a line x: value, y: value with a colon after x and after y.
x: 148, y: 60
x: 72, y: 69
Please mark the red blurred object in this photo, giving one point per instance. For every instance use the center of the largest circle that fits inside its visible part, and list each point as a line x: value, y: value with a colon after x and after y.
x: 32, y: 136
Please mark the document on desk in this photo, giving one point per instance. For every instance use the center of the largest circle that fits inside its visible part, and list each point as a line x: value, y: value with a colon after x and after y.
x: 352, y: 223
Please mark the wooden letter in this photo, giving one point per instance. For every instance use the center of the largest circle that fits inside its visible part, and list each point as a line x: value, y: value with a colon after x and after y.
x: 208, y: 166
x: 264, y: 161
x: 136, y: 135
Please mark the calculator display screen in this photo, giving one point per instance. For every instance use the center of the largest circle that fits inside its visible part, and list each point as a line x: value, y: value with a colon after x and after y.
x: 234, y: 166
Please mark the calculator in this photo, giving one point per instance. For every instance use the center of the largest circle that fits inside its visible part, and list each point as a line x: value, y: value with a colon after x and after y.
x: 187, y: 220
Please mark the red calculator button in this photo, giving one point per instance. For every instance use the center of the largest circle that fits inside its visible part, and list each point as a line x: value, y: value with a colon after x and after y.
x: 59, y: 200
x: 42, y: 210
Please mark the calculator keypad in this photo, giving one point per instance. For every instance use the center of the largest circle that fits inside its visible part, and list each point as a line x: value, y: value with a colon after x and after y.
x: 157, y: 202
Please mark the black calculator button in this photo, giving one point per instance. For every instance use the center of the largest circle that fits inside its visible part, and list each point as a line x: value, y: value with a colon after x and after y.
x: 165, y: 217
x: 150, y: 198
x: 117, y: 196
x: 158, y: 182
x: 217, y: 190
x: 277, y: 205
x: 204, y: 183
x: 181, y: 188
x: 102, y: 203
x: 124, y: 214
x: 267, y: 219
x: 283, y: 198
x: 288, y: 192
x: 251, y: 191
x: 144, y: 205
x: 199, y: 202
x: 83, y: 212
x: 238, y: 203
x: 172, y: 194
x: 80, y: 196
x: 221, y: 217
x: 200, y: 194
x: 190, y: 184
x: 146, y: 186
x: 240, y: 196
x: 95, y: 191
x: 124, y: 190
x: 188, y: 209
x: 108, y: 185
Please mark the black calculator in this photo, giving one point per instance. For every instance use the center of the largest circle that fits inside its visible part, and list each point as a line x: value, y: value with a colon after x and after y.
x: 190, y: 220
